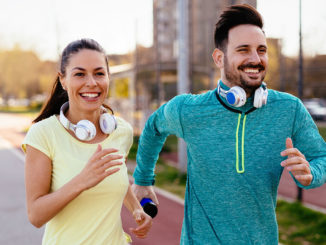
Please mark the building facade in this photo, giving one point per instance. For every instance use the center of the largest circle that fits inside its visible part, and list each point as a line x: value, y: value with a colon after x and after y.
x: 202, y: 17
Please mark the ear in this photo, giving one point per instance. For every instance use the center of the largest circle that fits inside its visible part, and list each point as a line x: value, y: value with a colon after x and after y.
x: 62, y: 80
x: 218, y: 57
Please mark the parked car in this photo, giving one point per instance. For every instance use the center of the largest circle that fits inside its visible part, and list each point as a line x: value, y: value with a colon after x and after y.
x: 317, y: 108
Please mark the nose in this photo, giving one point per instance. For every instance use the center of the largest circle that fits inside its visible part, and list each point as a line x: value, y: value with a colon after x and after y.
x: 91, y: 82
x: 254, y: 57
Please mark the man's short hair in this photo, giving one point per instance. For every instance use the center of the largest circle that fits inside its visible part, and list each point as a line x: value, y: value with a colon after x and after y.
x: 233, y: 16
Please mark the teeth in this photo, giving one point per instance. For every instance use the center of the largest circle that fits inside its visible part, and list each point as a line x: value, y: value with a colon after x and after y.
x: 91, y: 95
x: 251, y: 70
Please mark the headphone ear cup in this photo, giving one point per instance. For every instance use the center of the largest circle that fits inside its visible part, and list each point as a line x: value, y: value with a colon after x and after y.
x: 260, y: 97
x: 85, y: 130
x: 236, y: 96
x: 107, y: 123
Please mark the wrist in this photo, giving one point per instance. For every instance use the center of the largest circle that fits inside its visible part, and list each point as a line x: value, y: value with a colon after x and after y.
x: 79, y: 185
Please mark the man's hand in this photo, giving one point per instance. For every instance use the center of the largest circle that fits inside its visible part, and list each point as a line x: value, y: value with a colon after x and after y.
x: 144, y: 191
x: 296, y: 163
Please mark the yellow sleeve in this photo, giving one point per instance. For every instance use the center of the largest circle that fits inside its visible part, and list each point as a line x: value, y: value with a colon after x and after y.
x: 38, y: 138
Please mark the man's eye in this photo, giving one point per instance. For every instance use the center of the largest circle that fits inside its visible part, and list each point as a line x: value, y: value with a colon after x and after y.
x: 100, y: 74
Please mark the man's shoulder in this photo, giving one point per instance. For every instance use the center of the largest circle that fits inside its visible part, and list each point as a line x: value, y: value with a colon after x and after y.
x: 196, y: 99
x: 275, y: 96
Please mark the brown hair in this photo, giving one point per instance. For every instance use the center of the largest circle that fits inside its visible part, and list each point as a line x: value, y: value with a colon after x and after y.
x: 233, y: 16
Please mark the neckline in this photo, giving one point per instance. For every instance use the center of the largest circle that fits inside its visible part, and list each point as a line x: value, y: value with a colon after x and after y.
x: 83, y: 143
x: 246, y: 108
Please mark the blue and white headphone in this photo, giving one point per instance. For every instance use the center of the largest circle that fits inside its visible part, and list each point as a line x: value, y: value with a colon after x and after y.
x: 236, y: 96
x: 85, y: 129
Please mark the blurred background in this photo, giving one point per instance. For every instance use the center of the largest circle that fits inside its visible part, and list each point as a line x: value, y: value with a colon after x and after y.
x: 157, y: 49
x: 141, y: 39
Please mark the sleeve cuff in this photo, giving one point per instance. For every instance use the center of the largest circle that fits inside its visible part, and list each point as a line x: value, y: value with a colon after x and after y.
x: 144, y: 182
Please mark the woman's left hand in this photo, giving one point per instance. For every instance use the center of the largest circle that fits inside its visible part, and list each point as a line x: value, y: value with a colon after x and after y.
x: 144, y: 222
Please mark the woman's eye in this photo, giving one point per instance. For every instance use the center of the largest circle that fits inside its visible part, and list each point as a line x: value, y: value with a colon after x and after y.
x: 100, y: 74
x: 79, y: 74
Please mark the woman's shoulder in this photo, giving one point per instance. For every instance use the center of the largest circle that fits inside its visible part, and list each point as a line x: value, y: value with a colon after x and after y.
x: 123, y: 124
x: 44, y: 124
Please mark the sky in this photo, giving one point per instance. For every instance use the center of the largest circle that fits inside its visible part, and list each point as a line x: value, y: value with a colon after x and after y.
x: 47, y: 26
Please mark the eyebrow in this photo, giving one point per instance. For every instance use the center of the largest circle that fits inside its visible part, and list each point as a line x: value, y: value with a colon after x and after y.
x: 246, y: 46
x: 83, y: 69
x: 242, y: 46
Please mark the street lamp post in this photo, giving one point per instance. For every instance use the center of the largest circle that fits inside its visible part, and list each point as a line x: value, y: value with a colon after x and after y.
x: 183, y: 68
x: 300, y: 77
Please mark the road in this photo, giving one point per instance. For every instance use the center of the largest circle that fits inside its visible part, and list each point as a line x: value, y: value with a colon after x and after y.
x: 15, y: 227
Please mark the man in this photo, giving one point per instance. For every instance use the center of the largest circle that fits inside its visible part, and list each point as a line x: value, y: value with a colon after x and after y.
x: 239, y: 138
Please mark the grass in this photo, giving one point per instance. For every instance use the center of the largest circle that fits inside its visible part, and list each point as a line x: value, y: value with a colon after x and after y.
x: 21, y: 110
x: 322, y: 131
x: 170, y: 179
x: 299, y: 225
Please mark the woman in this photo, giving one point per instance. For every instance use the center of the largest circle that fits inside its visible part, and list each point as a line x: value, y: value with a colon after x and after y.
x: 75, y: 173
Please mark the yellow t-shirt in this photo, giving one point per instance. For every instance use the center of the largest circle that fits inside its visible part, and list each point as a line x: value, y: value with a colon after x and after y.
x: 94, y: 216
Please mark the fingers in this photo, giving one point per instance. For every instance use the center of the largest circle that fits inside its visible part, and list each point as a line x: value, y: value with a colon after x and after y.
x: 110, y: 172
x: 303, y: 167
x: 304, y: 179
x: 145, y: 223
x: 101, y: 153
x: 152, y: 196
x: 144, y: 191
x: 290, y: 151
x: 110, y: 159
x: 291, y: 162
x: 296, y: 163
x: 288, y: 143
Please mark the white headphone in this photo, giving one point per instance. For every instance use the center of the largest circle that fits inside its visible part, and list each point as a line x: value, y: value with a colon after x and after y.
x: 84, y: 129
x: 236, y: 96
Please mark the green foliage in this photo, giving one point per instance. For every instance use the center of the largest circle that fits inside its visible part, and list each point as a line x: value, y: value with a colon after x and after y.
x: 26, y: 110
x: 299, y: 225
x: 322, y: 131
x: 169, y: 178
x: 171, y: 144
x: 23, y: 74
x: 133, y: 149
x: 120, y: 88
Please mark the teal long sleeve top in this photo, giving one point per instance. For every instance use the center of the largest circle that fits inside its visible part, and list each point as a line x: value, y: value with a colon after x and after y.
x: 233, y: 167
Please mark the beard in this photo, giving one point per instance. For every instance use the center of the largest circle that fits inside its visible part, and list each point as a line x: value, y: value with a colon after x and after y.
x: 235, y: 78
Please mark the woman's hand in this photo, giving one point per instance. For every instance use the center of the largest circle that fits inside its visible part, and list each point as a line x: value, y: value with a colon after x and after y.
x: 99, y: 167
x: 144, y: 222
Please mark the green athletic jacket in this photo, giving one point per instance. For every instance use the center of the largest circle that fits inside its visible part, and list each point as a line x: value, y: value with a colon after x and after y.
x: 233, y: 162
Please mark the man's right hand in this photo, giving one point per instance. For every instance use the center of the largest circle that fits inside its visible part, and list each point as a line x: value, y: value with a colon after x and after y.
x: 144, y: 191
